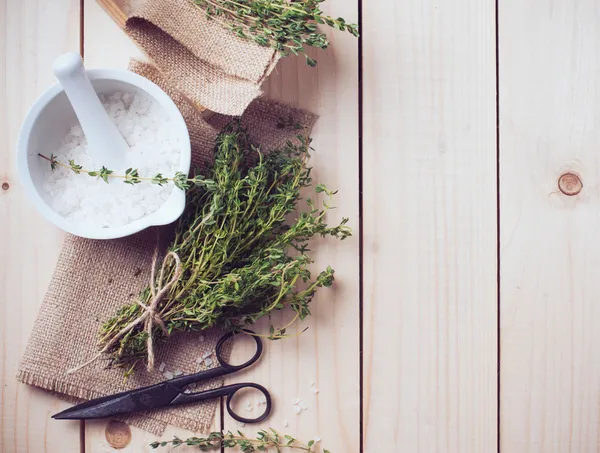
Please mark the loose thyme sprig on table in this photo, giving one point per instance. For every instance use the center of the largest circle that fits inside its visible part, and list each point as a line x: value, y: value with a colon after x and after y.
x: 131, y: 175
x: 243, y: 255
x: 265, y: 439
x: 286, y: 26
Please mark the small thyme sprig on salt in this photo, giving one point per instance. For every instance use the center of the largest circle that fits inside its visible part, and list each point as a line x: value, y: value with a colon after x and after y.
x: 264, y: 440
x: 131, y: 175
x: 283, y: 25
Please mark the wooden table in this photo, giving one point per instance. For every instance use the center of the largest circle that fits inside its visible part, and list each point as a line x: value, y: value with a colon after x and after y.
x: 465, y: 310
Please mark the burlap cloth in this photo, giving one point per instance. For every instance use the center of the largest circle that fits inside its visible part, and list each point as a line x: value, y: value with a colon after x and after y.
x: 210, y: 65
x: 93, y: 278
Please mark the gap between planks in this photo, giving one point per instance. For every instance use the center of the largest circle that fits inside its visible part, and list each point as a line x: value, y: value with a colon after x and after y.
x: 498, y: 222
x: 361, y: 287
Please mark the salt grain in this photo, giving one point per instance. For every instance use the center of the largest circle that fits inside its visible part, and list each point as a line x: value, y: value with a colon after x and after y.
x: 168, y: 375
x: 296, y: 401
x: 154, y: 148
x: 317, y: 439
x: 285, y: 423
x: 177, y: 373
x: 162, y: 366
x: 315, y: 391
x: 298, y: 409
x: 208, y: 362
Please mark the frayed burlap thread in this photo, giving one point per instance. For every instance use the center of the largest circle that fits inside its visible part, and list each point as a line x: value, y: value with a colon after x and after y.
x: 93, y: 279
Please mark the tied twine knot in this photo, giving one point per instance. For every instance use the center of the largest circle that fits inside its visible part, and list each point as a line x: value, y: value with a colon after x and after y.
x: 150, y: 315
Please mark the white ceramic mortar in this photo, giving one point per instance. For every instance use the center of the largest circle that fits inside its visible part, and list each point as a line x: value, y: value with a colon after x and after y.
x: 48, y: 121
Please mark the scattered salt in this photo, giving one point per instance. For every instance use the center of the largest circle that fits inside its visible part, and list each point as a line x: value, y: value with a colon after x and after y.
x: 286, y: 423
x: 177, y: 373
x: 207, y: 354
x: 296, y: 401
x: 154, y: 148
x: 249, y: 408
x: 168, y: 375
x: 312, y: 383
x: 298, y: 409
x: 317, y: 439
x: 242, y: 424
x: 162, y: 366
x: 187, y: 391
x: 315, y: 391
x: 208, y: 362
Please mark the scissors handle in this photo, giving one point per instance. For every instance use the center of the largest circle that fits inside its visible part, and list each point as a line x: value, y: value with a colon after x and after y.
x: 225, y: 368
x: 228, y: 391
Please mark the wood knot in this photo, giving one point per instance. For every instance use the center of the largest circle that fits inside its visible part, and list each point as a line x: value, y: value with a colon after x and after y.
x: 570, y: 184
x: 5, y: 186
x: 118, y: 434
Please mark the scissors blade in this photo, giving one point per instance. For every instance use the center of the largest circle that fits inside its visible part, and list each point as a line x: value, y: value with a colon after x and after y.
x: 98, y: 409
x: 122, y: 403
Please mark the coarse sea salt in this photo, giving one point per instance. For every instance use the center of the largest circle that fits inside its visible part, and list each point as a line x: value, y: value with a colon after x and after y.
x: 154, y: 148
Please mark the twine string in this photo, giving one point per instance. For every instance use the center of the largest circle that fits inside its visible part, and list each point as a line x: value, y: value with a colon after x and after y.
x: 150, y: 315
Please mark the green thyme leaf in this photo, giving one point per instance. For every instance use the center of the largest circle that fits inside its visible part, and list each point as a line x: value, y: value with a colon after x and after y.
x: 76, y: 168
x: 159, y: 179
x: 104, y: 173
x: 53, y: 162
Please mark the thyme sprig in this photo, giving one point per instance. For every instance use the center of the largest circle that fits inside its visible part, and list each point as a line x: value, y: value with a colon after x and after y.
x: 265, y: 439
x: 244, y: 254
x: 283, y: 25
x: 131, y: 176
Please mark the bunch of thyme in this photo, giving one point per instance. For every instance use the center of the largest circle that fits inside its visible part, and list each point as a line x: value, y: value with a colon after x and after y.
x: 240, y: 259
x: 285, y: 25
x: 265, y: 439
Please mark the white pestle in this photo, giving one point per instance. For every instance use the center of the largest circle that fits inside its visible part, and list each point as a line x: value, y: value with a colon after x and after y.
x: 105, y: 143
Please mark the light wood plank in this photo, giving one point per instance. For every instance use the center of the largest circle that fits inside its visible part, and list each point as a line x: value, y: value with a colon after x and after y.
x: 430, y: 296
x: 550, y: 252
x: 96, y: 439
x: 107, y: 46
x: 33, y: 33
x: 328, y: 353
x: 287, y: 369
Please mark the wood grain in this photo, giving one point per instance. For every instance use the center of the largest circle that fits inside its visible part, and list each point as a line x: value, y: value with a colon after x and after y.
x: 429, y: 185
x: 328, y: 353
x: 550, y: 252
x: 106, y: 45
x: 33, y: 34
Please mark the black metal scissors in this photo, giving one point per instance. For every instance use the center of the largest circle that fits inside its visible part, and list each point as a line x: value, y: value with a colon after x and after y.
x: 172, y: 393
